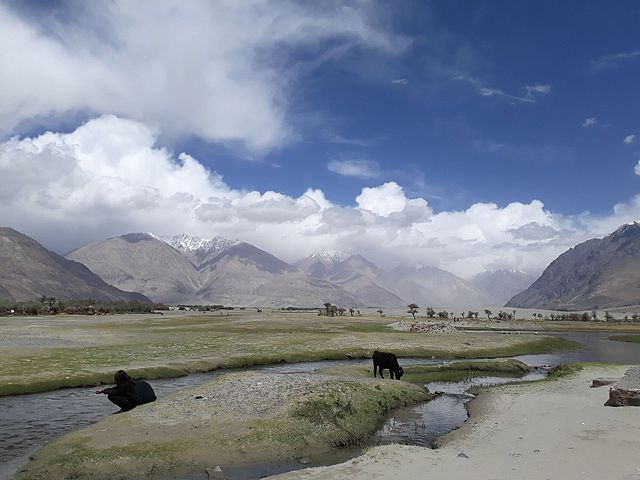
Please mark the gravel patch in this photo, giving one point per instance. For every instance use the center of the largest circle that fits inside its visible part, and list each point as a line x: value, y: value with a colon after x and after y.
x: 437, y: 328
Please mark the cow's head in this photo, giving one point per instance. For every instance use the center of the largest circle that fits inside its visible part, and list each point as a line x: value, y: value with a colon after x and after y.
x: 399, y: 373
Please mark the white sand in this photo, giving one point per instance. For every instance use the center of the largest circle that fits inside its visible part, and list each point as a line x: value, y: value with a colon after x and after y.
x: 549, y: 430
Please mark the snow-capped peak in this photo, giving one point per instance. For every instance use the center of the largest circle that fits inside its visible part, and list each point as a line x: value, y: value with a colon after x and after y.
x: 514, y: 270
x: 627, y: 227
x: 329, y: 256
x: 195, y: 245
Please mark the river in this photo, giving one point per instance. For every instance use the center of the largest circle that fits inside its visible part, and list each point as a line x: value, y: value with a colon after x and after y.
x: 27, y: 422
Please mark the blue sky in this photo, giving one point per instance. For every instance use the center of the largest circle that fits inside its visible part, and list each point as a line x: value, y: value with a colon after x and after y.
x: 443, y: 140
x: 400, y: 129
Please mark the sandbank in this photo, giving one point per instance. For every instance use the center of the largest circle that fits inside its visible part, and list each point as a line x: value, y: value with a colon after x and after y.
x: 543, y: 430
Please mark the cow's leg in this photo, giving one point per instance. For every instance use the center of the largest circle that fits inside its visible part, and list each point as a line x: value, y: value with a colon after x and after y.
x: 381, y: 375
x: 391, y: 372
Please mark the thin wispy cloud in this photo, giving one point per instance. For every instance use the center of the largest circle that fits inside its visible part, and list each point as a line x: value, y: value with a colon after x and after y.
x: 355, y: 168
x: 538, y: 89
x: 531, y: 92
x: 629, y: 139
x: 589, y: 122
x: 400, y: 81
x: 613, y: 60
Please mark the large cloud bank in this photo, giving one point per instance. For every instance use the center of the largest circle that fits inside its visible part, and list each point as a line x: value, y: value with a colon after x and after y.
x: 107, y: 177
x: 222, y: 71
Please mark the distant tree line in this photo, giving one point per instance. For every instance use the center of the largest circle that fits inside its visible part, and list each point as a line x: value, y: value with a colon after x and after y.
x: 46, y: 305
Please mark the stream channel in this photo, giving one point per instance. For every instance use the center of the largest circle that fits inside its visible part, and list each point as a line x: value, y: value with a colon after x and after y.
x: 27, y: 422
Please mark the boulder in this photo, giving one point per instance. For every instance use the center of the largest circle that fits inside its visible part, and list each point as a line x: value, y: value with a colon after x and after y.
x: 601, y: 382
x: 626, y: 391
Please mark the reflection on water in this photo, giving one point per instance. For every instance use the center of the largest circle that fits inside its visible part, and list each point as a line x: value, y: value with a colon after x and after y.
x: 596, y: 347
x: 424, y: 423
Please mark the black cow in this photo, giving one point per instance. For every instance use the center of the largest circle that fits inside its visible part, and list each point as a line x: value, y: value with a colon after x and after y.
x: 388, y: 361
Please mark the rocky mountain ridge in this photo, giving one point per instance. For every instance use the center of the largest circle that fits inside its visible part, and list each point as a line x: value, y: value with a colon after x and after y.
x: 602, y: 273
x: 28, y: 270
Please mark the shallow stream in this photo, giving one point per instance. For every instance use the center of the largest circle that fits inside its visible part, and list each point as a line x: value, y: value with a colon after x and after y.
x: 27, y: 422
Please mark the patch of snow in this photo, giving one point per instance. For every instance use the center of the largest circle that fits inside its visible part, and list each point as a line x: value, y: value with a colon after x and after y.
x: 329, y: 257
x: 195, y: 245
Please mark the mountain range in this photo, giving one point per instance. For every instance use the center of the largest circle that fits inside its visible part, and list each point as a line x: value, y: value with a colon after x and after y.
x: 602, y: 273
x: 182, y: 269
x: 28, y: 270
x: 229, y: 273
x: 499, y: 286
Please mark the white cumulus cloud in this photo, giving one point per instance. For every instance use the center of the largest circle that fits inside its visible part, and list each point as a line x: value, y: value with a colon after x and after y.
x: 108, y: 177
x: 215, y: 70
x: 383, y: 200
x: 589, y: 122
x: 629, y: 139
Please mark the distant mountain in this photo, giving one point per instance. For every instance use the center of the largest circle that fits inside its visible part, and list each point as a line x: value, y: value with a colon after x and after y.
x: 5, y: 294
x: 355, y: 274
x: 141, y: 262
x: 431, y: 286
x: 246, y: 275
x: 498, y: 286
x: 239, y: 274
x: 197, y: 249
x: 28, y: 270
x: 599, y: 272
x: 321, y: 263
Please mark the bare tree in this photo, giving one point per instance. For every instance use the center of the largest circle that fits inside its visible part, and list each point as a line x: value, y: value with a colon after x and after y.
x: 431, y: 312
x: 488, y: 313
x: 413, y: 309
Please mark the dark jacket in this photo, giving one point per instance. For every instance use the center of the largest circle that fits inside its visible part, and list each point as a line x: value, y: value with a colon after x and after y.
x: 138, y: 392
x: 143, y: 392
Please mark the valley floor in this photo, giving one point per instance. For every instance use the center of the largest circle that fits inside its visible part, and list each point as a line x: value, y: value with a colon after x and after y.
x: 545, y: 430
x: 46, y: 353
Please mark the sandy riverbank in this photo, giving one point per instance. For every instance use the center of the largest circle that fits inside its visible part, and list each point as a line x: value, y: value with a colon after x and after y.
x: 546, y: 430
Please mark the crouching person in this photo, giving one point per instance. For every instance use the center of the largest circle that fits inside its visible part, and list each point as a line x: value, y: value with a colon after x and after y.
x: 386, y: 361
x: 128, y: 393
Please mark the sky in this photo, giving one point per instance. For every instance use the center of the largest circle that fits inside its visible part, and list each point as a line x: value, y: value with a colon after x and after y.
x: 456, y: 134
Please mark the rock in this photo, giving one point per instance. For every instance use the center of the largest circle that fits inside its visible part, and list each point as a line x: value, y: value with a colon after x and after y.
x: 601, y: 382
x: 626, y: 391
x: 463, y: 455
x: 216, y: 473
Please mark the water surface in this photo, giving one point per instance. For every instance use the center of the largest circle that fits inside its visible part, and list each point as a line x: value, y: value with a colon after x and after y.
x: 27, y: 422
